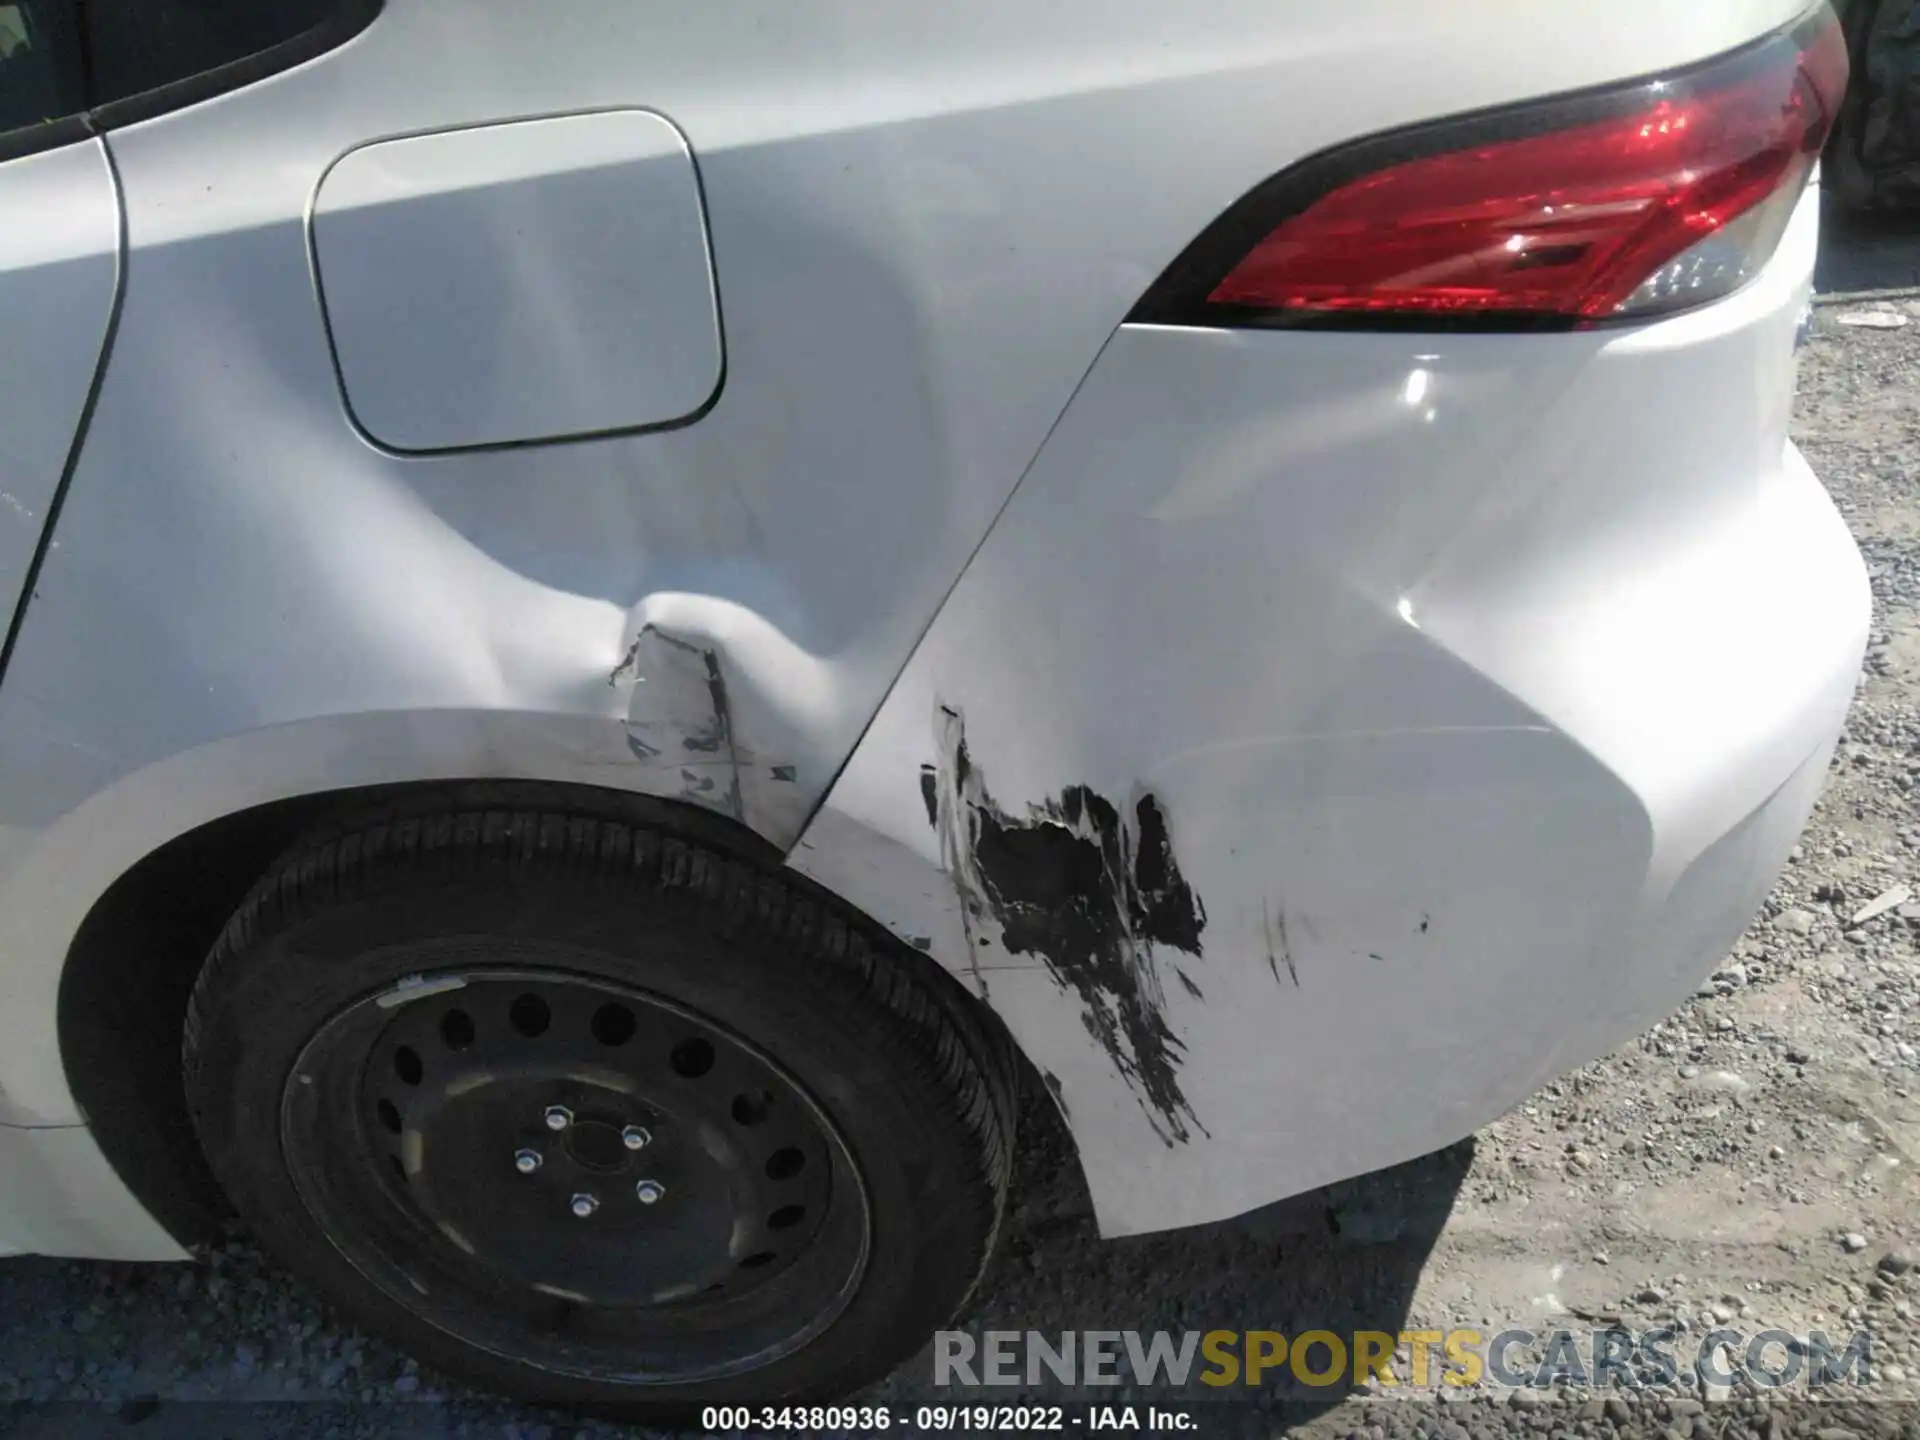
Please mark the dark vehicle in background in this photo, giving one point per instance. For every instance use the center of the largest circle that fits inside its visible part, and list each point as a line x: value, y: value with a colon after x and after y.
x: 1873, y: 160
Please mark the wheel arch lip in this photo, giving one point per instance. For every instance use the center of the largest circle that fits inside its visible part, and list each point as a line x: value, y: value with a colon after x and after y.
x: 226, y: 811
x: 59, y: 873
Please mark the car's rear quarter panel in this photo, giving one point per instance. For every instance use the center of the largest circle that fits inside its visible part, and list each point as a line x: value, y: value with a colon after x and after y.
x: 1483, y: 684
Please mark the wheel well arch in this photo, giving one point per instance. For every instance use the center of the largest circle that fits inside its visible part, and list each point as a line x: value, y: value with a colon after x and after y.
x: 123, y: 989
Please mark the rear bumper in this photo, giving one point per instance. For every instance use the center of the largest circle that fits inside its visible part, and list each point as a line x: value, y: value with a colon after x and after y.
x: 1484, y: 683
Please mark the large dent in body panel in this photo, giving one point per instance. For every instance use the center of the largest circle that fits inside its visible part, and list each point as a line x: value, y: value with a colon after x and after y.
x: 466, y: 669
x: 721, y: 708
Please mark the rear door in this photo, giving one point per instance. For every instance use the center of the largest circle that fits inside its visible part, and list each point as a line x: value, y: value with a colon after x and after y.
x: 59, y: 268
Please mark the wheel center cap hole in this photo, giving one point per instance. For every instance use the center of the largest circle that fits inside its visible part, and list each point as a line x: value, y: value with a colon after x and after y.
x: 596, y: 1145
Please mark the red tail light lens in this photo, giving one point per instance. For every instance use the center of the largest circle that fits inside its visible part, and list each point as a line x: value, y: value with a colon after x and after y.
x: 1622, y: 204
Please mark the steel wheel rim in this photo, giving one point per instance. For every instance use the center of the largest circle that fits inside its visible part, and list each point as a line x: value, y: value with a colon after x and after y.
x: 728, y: 1235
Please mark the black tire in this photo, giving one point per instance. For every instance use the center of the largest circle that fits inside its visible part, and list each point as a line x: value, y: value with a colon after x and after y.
x: 870, y: 1058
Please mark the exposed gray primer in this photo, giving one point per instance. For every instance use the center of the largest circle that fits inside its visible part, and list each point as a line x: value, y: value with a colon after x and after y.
x: 679, y: 717
x: 1092, y: 895
x: 699, y: 723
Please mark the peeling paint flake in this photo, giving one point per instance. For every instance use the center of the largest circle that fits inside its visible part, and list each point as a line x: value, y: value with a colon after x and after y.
x: 1092, y: 895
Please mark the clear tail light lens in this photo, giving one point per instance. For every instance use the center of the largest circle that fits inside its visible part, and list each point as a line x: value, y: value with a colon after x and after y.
x: 1617, y: 204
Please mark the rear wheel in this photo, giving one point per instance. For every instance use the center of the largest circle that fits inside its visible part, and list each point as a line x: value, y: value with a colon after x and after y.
x: 587, y: 1114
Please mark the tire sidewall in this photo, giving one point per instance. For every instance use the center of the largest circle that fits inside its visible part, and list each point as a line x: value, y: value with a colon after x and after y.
x: 817, y: 1022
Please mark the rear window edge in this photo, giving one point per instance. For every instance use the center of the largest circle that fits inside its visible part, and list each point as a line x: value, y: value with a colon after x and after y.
x: 345, y: 21
x: 27, y: 140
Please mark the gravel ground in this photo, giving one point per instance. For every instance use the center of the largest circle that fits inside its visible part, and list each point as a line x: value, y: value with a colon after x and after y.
x: 1748, y: 1163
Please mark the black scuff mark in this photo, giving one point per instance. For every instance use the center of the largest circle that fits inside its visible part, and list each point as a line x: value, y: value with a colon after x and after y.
x: 1372, y: 956
x: 955, y: 857
x: 1169, y: 912
x: 961, y: 762
x: 723, y: 731
x: 930, y: 793
x: 1187, y: 981
x: 1092, y: 895
x: 1425, y: 921
x: 628, y: 661
x: 1278, y: 949
x: 679, y: 716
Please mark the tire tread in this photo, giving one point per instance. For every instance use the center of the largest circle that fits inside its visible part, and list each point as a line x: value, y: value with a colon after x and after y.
x: 741, y: 901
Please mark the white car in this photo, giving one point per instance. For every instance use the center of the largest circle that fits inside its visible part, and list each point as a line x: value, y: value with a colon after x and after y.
x: 624, y: 617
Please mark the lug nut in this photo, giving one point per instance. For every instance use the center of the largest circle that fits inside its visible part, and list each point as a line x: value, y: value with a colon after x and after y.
x: 649, y: 1191
x: 526, y: 1161
x: 635, y: 1137
x: 558, y: 1117
x: 585, y: 1204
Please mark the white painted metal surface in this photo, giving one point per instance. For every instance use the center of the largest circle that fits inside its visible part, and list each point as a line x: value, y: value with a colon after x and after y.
x: 1485, y: 682
x: 58, y: 1196
x: 59, y: 262
x: 529, y: 281
x: 927, y: 234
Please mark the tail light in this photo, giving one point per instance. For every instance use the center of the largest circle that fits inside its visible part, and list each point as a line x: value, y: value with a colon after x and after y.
x: 1616, y: 204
